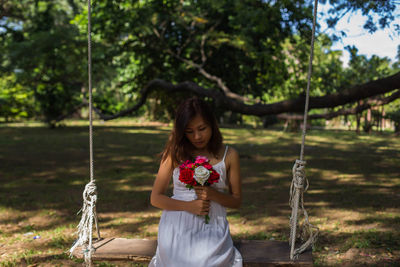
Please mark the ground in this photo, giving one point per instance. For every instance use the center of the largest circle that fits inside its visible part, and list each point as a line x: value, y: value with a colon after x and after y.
x: 353, y: 198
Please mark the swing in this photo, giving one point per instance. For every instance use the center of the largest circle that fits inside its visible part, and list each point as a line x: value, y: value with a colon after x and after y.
x: 254, y: 252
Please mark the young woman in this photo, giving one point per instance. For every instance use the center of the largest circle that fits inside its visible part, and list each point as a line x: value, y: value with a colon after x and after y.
x: 184, y: 238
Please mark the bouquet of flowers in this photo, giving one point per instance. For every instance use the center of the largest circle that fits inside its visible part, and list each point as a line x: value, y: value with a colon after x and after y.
x: 199, y: 172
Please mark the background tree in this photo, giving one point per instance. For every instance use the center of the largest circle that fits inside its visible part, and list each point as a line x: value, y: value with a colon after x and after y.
x: 241, y: 55
x: 45, y: 53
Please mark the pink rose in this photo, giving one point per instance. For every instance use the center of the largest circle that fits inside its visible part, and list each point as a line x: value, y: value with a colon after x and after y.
x: 201, y: 159
x: 185, y: 164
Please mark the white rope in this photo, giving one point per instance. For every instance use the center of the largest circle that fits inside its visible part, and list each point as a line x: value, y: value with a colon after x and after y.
x: 308, y: 236
x: 85, y: 227
x: 299, y: 177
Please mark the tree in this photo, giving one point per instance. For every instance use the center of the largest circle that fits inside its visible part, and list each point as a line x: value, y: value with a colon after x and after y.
x: 201, y: 42
x: 15, y: 100
x: 243, y: 55
x: 43, y: 52
x: 379, y: 14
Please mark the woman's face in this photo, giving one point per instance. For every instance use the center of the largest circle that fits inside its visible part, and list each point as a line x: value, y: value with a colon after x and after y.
x: 198, y: 132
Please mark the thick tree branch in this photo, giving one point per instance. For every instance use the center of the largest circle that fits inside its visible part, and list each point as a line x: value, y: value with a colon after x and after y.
x: 345, y: 111
x: 351, y: 95
x: 158, y: 84
x: 373, y: 88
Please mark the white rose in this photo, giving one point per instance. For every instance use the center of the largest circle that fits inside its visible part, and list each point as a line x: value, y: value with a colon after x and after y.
x: 201, y: 174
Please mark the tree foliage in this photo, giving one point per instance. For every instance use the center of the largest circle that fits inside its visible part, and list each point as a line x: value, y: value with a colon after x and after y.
x: 379, y: 14
x: 45, y: 53
x: 250, y: 51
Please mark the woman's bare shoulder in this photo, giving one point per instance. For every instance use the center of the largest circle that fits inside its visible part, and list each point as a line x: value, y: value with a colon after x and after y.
x: 232, y: 152
x: 167, y: 163
x: 232, y: 155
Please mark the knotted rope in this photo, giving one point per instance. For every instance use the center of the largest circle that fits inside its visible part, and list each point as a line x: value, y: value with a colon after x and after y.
x: 299, y: 175
x: 85, y: 227
x: 296, y: 199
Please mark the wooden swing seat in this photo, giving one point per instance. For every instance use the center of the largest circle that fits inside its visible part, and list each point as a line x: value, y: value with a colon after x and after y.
x: 254, y: 252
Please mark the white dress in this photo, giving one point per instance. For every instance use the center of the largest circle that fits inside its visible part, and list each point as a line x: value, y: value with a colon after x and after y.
x: 185, y: 240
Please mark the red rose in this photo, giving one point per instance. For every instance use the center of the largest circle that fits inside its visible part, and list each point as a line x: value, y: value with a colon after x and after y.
x: 190, y: 165
x: 207, y: 166
x: 186, y: 176
x: 214, y: 177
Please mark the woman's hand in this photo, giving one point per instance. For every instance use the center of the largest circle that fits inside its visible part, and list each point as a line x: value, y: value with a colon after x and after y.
x: 204, y: 192
x: 199, y: 207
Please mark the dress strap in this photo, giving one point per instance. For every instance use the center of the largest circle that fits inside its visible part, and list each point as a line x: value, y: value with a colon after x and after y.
x: 226, y: 150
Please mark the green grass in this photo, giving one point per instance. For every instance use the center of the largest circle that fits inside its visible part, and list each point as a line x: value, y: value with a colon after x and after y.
x: 354, y: 193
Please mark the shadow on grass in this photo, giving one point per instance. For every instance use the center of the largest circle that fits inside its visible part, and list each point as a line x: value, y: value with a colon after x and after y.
x: 136, y: 227
x: 367, y: 239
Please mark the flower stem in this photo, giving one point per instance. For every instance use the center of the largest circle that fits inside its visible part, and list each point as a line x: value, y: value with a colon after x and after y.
x: 207, y: 218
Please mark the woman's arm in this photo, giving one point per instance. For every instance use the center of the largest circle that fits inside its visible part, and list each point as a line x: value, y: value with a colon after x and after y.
x: 160, y: 200
x: 234, y: 198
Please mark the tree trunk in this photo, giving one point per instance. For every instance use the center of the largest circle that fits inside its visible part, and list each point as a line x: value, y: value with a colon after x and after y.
x: 358, y: 118
x: 368, y: 122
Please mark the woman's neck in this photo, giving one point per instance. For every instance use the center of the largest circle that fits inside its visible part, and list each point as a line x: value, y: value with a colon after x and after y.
x: 204, y: 152
x: 200, y: 152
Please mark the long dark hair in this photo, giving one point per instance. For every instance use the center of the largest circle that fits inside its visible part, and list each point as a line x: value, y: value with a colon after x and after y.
x: 178, y: 147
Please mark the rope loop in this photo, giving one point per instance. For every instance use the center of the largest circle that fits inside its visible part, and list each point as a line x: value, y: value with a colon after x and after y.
x: 299, y: 175
x: 90, y: 194
x: 308, y: 232
x: 89, y: 215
